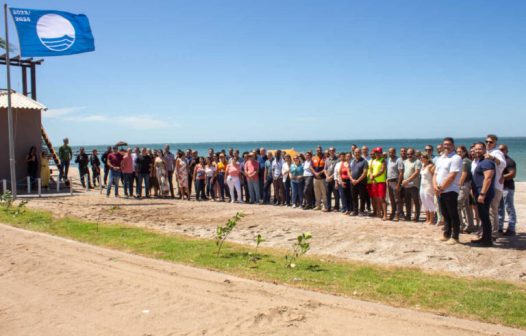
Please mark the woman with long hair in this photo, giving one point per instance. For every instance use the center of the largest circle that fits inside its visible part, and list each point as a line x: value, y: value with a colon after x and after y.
x: 210, y: 172
x: 45, y: 172
x: 199, y: 177
x: 32, y: 164
x: 162, y: 174
x: 344, y: 176
x: 426, y: 188
x: 181, y: 173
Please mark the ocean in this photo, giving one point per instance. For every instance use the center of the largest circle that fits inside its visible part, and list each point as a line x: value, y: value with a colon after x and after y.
x: 516, y: 145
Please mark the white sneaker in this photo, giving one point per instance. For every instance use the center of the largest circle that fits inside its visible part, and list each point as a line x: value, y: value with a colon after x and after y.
x: 294, y: 206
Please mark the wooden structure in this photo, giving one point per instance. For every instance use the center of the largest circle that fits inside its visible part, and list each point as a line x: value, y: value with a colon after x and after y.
x: 25, y: 65
x: 27, y: 122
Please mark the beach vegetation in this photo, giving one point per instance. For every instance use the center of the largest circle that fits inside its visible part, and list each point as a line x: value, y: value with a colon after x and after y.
x: 299, y: 248
x: 222, y: 232
x: 482, y: 299
x: 254, y: 257
x: 7, y: 204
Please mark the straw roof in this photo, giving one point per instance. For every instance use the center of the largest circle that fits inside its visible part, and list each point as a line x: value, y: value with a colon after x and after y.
x: 19, y: 101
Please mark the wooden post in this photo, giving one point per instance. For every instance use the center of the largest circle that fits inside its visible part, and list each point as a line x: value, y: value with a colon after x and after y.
x: 24, y: 80
x: 33, y: 81
x: 4, y: 186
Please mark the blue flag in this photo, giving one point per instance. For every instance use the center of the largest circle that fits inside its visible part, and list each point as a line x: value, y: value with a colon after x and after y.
x: 52, y: 33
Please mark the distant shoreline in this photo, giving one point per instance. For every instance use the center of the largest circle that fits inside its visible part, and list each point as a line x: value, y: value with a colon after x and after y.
x: 458, y: 139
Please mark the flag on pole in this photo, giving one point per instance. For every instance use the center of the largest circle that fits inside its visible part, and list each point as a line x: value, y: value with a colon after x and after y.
x: 52, y: 33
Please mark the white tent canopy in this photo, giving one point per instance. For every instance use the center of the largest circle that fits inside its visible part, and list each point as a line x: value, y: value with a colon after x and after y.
x: 19, y: 101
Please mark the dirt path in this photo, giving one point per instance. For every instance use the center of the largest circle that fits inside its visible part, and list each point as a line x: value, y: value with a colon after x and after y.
x: 356, y: 238
x: 53, y: 286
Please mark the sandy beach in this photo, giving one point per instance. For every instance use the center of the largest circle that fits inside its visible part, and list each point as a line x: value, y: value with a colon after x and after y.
x: 53, y: 286
x: 62, y: 287
x: 354, y: 238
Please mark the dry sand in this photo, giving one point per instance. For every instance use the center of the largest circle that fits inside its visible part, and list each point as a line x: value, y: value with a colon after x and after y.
x: 53, y: 286
x: 362, y: 239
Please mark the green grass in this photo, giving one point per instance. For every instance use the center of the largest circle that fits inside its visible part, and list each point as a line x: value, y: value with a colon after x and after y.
x: 486, y: 300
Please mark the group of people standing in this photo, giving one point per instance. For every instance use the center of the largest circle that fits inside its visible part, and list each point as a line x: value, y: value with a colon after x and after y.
x: 465, y: 190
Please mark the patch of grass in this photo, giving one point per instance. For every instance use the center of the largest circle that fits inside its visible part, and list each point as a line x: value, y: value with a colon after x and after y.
x: 486, y: 300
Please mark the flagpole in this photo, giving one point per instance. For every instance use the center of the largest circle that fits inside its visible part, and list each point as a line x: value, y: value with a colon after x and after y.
x: 9, y: 110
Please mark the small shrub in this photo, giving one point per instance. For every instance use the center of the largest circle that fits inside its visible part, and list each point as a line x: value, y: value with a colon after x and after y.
x: 255, y: 257
x: 300, y: 247
x: 222, y: 232
x: 7, y: 201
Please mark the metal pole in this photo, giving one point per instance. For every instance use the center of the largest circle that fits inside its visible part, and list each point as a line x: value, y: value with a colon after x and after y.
x: 24, y: 81
x: 71, y: 186
x: 58, y: 185
x: 29, y: 185
x: 9, y: 110
x: 39, y: 184
x: 4, y: 186
x: 33, y: 75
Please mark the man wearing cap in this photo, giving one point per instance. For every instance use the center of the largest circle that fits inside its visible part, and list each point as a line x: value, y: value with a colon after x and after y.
x: 65, y: 154
x: 114, y: 163
x: 411, y: 184
x: 495, y: 155
x: 377, y: 174
x: 395, y: 175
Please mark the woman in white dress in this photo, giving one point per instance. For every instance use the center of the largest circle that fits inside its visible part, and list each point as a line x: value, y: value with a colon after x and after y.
x: 426, y: 188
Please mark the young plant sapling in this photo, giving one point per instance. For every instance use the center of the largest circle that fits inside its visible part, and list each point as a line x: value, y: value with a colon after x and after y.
x: 222, y: 232
x: 255, y: 257
x: 300, y: 247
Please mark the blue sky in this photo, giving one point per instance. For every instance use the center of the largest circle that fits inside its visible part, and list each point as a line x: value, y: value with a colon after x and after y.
x: 198, y: 71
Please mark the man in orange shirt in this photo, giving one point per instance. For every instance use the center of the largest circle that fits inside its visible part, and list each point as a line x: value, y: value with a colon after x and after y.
x: 318, y: 170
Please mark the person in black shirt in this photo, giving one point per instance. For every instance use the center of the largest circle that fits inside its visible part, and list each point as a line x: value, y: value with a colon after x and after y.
x: 482, y: 186
x: 143, y: 166
x: 104, y: 159
x: 95, y: 167
x: 83, y: 160
x: 32, y: 164
x: 507, y: 203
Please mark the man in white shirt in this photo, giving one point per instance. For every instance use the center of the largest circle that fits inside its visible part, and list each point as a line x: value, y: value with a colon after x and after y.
x: 277, y: 167
x: 495, y: 155
x: 309, y: 186
x: 446, y: 184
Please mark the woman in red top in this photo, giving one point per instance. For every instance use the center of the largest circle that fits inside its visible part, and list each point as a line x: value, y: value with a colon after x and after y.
x: 345, y: 181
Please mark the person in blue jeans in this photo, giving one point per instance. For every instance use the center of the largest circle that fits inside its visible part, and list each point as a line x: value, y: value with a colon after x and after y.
x: 114, y: 162
x: 143, y: 166
x: 297, y: 182
x: 507, y: 203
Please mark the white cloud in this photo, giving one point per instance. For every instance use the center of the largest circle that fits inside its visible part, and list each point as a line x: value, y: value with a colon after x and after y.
x: 61, y: 112
x: 88, y: 118
x: 138, y: 122
x: 144, y: 122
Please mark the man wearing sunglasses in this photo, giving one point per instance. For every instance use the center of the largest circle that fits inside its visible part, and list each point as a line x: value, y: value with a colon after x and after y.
x: 495, y: 155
